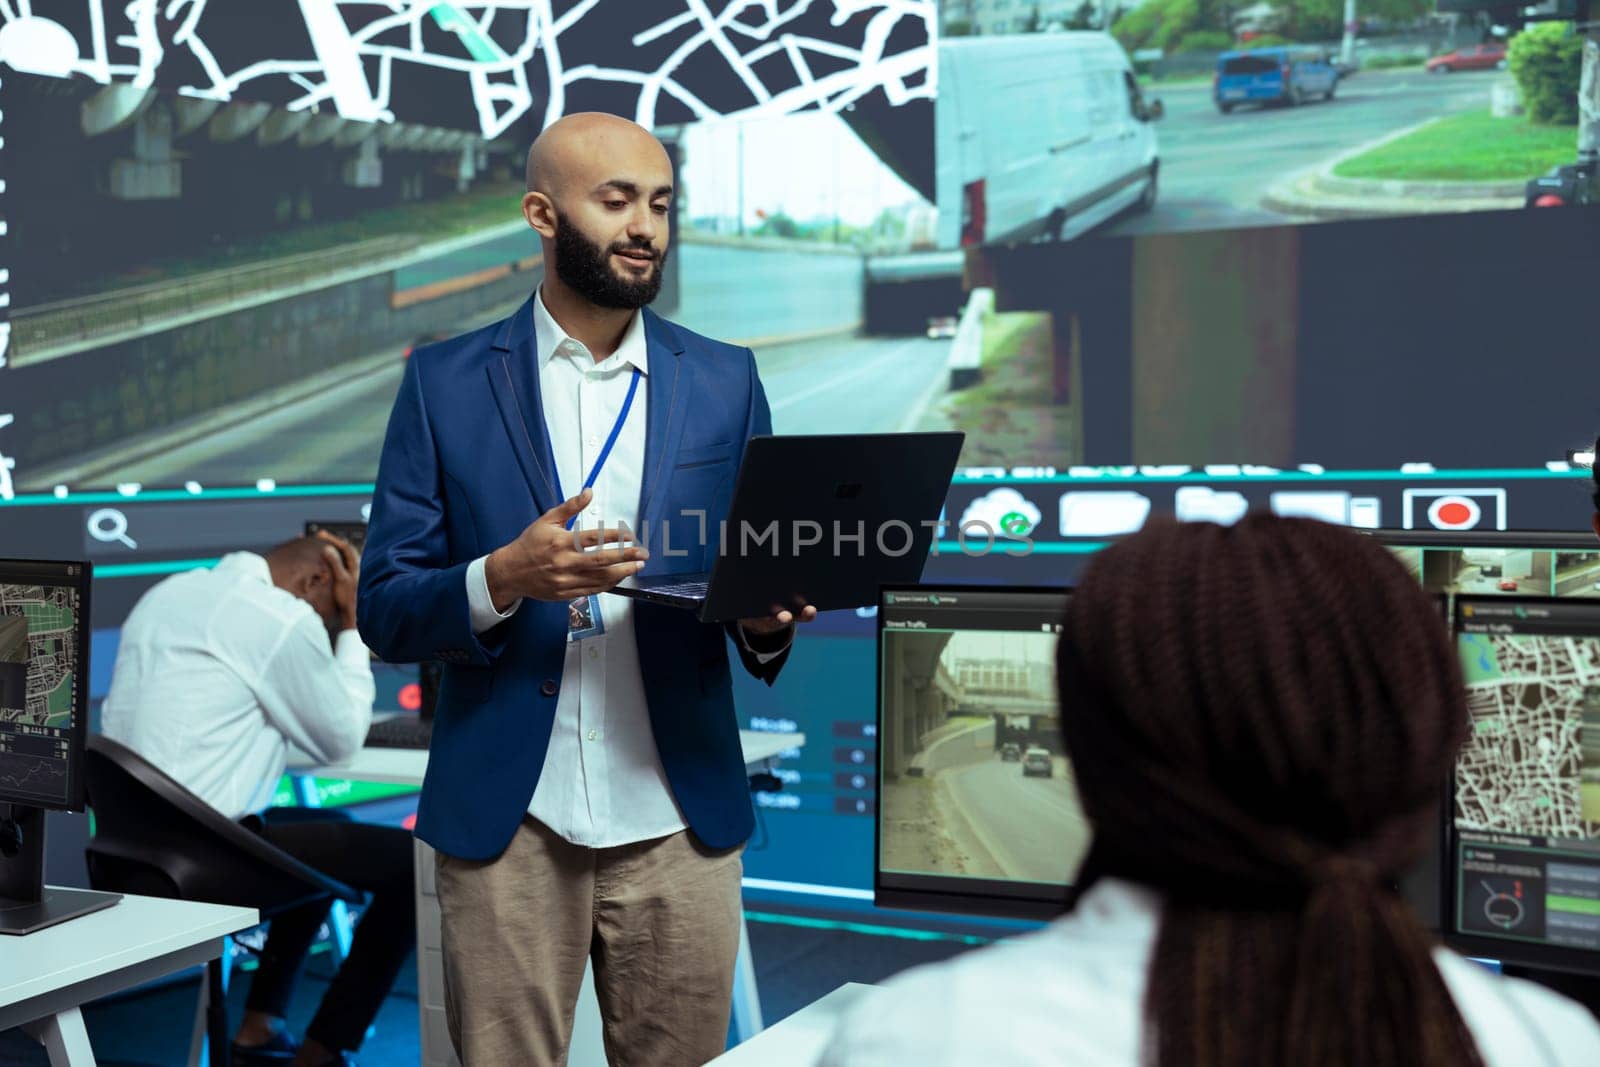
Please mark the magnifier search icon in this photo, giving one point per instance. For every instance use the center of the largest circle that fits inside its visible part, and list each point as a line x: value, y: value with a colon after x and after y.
x: 109, y: 524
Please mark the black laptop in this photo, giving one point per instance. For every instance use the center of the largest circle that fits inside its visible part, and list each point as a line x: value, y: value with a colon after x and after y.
x: 889, y: 488
x: 411, y: 731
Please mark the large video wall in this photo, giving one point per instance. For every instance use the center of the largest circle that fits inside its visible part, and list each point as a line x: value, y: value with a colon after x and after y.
x: 1264, y: 268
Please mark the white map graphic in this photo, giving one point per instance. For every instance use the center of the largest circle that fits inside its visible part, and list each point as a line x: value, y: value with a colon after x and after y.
x: 354, y: 66
x: 1522, y: 770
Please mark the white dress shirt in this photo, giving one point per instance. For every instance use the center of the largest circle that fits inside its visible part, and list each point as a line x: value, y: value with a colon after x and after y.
x: 602, y: 783
x: 219, y: 672
x: 1074, y: 992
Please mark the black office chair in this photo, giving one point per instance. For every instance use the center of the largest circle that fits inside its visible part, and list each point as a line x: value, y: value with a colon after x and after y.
x: 155, y: 838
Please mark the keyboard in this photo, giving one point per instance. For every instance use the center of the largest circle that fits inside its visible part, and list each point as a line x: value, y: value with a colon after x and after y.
x: 404, y: 732
x: 696, y: 590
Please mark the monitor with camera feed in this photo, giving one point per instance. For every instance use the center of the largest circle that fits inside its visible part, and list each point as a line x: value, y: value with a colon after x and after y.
x: 977, y: 812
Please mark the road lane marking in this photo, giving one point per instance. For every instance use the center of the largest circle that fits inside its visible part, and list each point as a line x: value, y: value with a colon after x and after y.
x: 842, y: 379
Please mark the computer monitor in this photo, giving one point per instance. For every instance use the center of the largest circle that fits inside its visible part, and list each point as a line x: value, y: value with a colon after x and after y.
x: 1495, y: 563
x: 1523, y: 836
x: 976, y: 807
x: 354, y: 532
x: 1451, y: 563
x: 44, y: 695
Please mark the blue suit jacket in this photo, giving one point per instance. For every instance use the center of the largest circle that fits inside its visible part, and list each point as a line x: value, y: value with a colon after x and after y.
x: 466, y: 466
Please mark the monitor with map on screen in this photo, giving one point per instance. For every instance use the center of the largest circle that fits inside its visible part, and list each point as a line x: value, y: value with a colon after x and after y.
x: 44, y: 695
x: 1493, y: 563
x: 1523, y: 845
x: 977, y: 811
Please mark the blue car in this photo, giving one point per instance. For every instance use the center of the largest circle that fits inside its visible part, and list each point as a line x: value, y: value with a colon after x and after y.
x: 1273, y: 76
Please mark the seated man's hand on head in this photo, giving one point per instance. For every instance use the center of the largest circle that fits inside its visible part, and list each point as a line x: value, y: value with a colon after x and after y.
x: 345, y: 567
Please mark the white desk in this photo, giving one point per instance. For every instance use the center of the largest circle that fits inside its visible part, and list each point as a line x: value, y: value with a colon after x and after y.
x: 405, y: 766
x: 401, y: 766
x: 801, y: 1038
x: 46, y: 976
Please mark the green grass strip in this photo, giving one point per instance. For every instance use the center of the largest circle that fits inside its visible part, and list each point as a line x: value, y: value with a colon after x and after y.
x: 1471, y: 146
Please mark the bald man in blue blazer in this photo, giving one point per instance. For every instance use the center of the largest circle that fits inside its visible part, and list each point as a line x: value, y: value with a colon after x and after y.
x: 585, y: 793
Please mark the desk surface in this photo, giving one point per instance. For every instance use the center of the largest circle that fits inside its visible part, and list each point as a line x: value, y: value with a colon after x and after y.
x: 131, y: 932
x: 801, y: 1038
x: 405, y: 766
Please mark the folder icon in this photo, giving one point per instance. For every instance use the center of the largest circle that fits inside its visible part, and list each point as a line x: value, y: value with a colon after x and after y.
x: 1111, y: 513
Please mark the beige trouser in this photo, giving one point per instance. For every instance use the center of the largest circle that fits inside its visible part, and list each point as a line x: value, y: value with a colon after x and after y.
x: 659, y: 918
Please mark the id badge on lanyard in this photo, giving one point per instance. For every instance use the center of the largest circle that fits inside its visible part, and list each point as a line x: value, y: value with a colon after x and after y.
x: 584, y: 618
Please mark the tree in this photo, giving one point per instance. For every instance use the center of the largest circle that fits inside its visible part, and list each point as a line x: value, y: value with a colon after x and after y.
x: 1313, y: 20
x: 957, y: 28
x: 778, y: 224
x: 1158, y: 24
x: 1085, y: 18
x: 1035, y: 21
x: 1546, y: 59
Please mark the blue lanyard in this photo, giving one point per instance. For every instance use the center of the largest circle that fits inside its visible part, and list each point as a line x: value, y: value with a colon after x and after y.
x: 600, y: 461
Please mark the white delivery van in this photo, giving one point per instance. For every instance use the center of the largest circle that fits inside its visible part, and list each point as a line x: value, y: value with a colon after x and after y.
x: 1040, y: 135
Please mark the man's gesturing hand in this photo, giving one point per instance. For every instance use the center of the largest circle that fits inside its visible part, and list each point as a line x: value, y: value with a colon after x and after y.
x: 547, y: 561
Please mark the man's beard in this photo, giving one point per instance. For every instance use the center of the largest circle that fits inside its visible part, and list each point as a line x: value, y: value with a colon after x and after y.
x: 585, y: 268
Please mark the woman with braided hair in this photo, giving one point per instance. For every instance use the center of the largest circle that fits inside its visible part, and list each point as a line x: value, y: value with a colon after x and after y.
x: 1258, y: 718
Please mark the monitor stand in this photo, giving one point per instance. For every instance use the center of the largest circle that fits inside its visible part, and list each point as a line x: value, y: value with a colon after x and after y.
x: 26, y: 904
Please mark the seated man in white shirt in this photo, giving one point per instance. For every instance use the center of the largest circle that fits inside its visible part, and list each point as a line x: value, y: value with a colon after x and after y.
x: 220, y: 673
x: 1258, y: 719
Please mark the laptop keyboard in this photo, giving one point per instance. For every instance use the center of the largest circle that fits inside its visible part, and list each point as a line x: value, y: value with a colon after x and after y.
x: 689, y: 589
x: 405, y: 732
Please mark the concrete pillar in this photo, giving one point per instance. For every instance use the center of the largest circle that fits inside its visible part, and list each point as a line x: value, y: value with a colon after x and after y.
x: 889, y: 737
x: 364, y: 170
x: 150, y: 172
x: 1589, y: 97
x: 1233, y: 397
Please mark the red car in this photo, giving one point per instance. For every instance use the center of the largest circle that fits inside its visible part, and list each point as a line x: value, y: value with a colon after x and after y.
x: 1473, y: 57
x: 1507, y: 585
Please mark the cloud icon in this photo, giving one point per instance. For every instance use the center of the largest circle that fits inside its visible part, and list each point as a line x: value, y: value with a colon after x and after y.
x: 1005, y: 512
